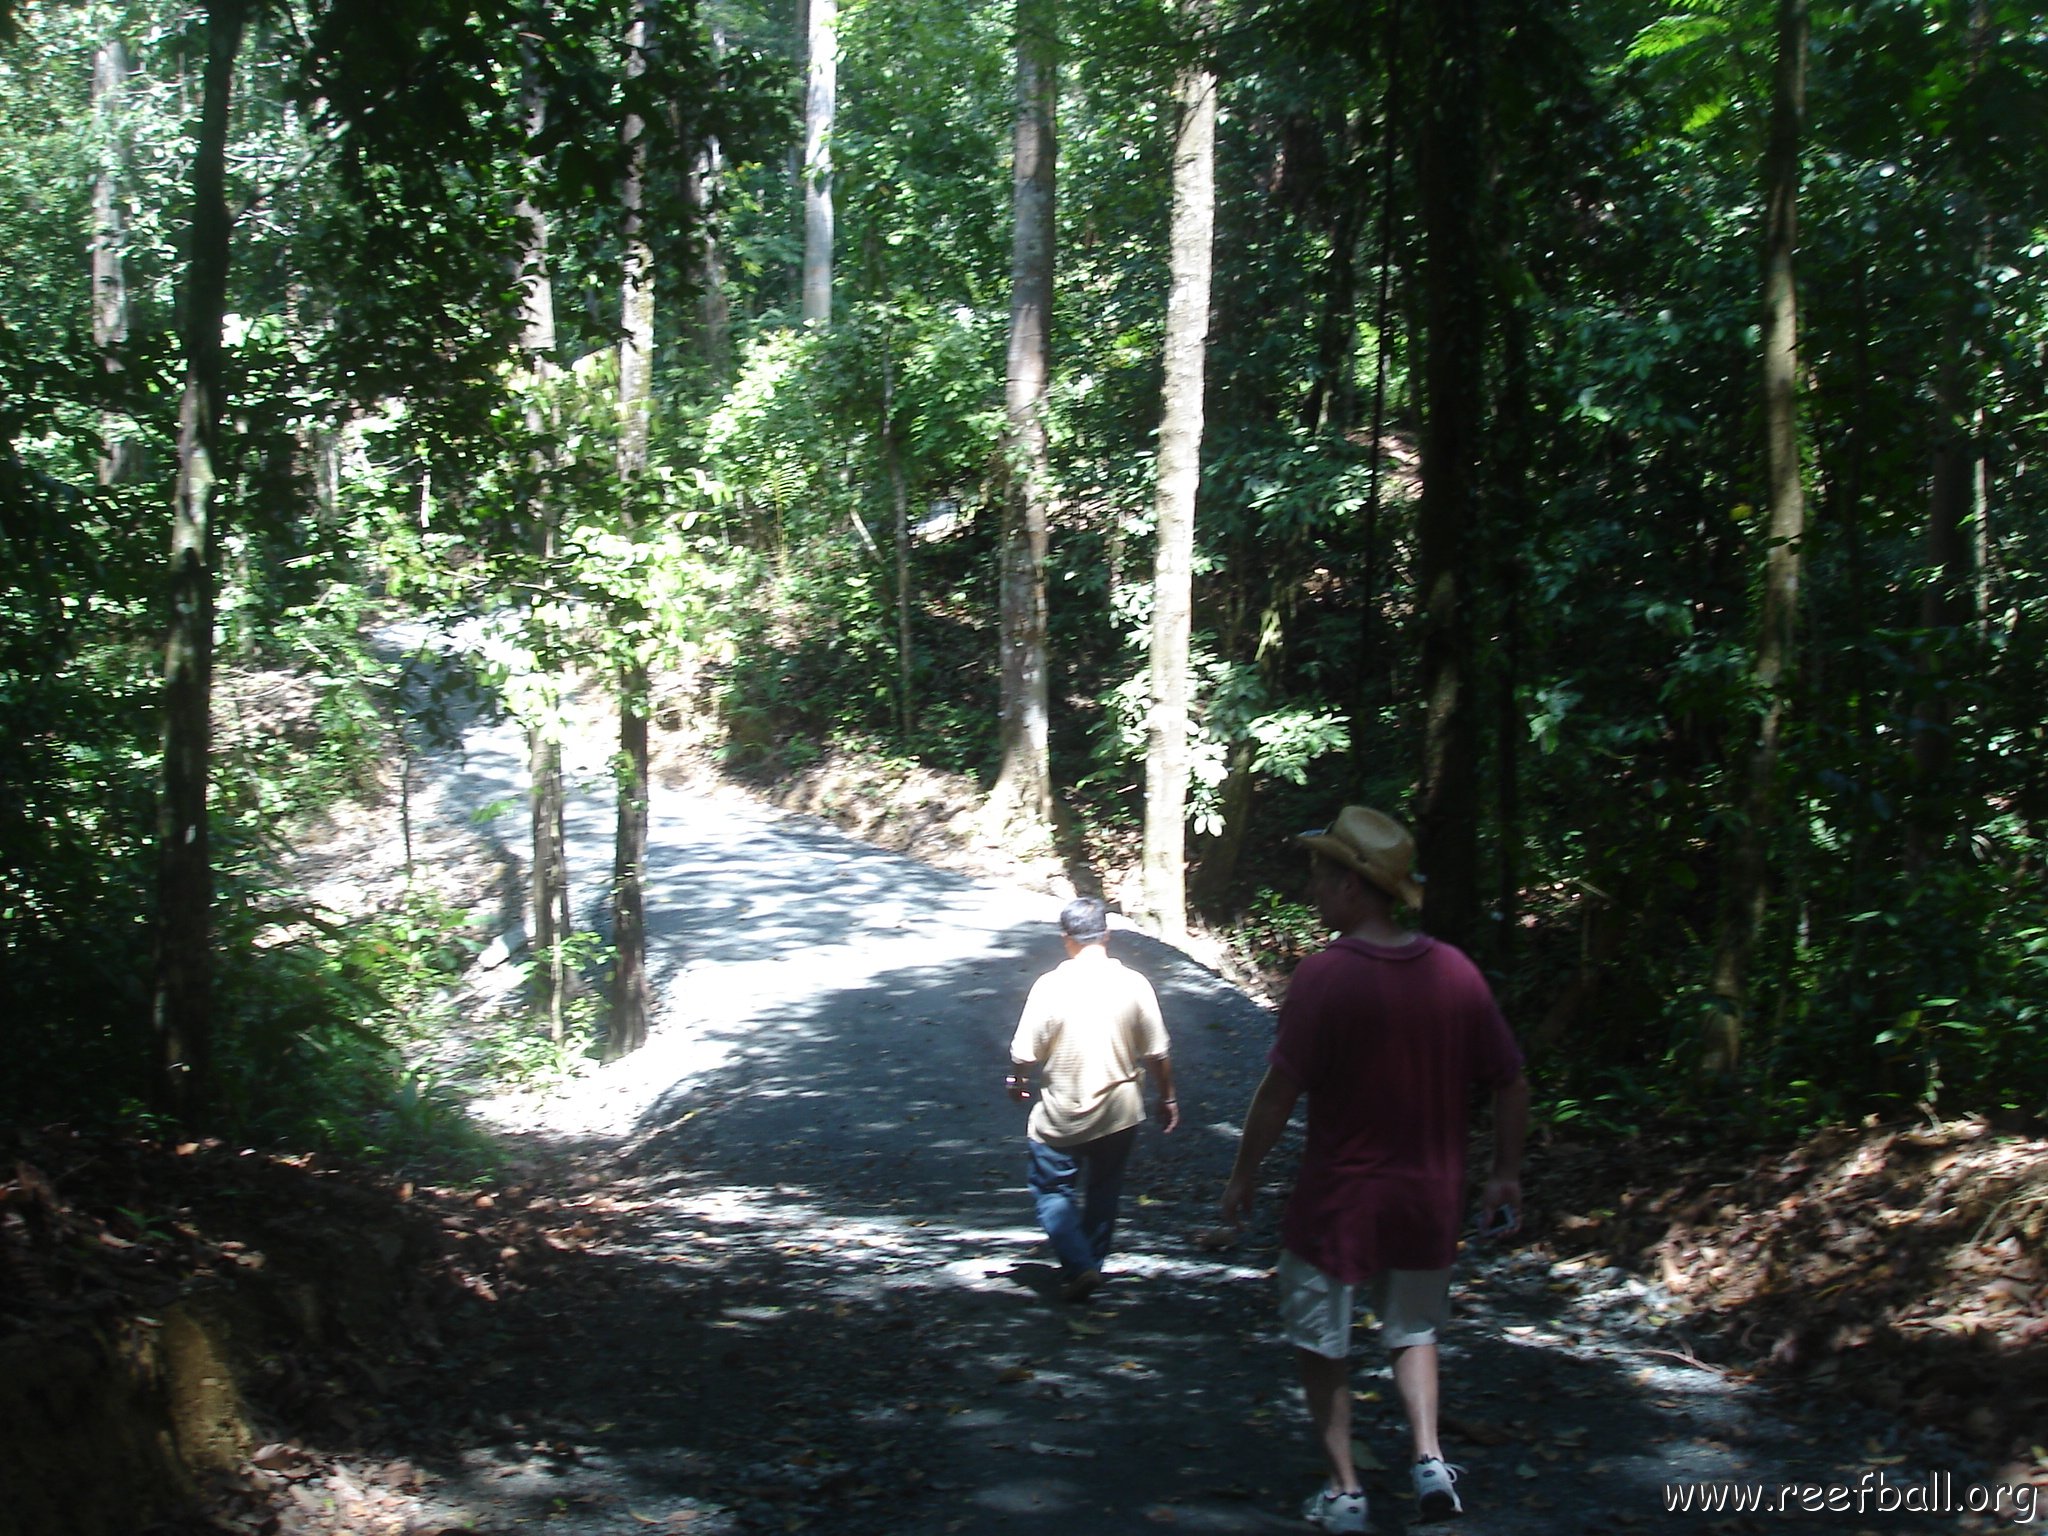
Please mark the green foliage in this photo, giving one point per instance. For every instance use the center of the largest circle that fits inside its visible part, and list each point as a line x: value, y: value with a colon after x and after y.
x: 1935, y: 995
x: 518, y: 1053
x: 1278, y: 931
x: 319, y: 1025
x: 1615, y: 1102
x: 391, y: 455
x: 790, y: 471
x: 77, y: 819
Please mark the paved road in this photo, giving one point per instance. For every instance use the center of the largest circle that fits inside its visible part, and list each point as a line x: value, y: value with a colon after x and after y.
x: 830, y: 1308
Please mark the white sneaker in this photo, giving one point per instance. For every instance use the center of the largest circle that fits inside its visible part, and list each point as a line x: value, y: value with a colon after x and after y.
x: 1436, y: 1492
x: 1335, y: 1511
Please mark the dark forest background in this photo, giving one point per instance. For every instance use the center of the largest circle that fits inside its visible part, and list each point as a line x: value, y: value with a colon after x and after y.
x: 1621, y: 453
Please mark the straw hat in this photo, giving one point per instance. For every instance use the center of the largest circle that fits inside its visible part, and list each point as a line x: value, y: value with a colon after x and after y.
x: 1375, y: 845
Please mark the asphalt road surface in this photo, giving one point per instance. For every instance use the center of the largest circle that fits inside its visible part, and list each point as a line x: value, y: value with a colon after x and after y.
x: 828, y: 1307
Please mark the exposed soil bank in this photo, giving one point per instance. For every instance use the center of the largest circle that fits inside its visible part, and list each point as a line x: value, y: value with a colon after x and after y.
x: 1902, y: 1265
x: 168, y: 1311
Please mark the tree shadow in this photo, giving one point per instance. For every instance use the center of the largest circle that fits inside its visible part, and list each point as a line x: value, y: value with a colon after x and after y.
x: 831, y: 1304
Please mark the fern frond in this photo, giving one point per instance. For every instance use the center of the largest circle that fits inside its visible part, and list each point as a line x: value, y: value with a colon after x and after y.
x: 1669, y: 34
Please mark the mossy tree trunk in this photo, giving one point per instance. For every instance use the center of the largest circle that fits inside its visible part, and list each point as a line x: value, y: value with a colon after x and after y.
x: 1746, y: 881
x: 183, y: 996
x: 1179, y: 479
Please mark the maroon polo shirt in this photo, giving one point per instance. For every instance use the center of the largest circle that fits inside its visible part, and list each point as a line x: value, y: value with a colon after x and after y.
x: 1388, y: 1043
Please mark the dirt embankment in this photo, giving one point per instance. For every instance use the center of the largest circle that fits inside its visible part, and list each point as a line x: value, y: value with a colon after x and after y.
x: 173, y: 1316
x: 1903, y: 1265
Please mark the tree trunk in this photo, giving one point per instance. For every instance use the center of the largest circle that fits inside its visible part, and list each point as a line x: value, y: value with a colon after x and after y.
x: 1179, y: 478
x: 183, y: 1000
x: 1746, y: 885
x: 1947, y: 602
x: 1020, y: 806
x: 821, y: 94
x: 549, y: 875
x: 631, y: 993
x: 1953, y: 597
x: 899, y: 504
x: 627, y: 1030
x: 1507, y: 542
x: 110, y: 244
x: 1222, y: 854
x: 1510, y: 511
x: 1453, y: 183
x: 714, y: 309
x: 636, y: 294
x: 1332, y: 399
x: 1365, y: 692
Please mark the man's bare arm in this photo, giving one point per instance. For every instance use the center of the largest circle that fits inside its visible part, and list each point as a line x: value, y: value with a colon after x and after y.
x: 1500, y: 1206
x: 1161, y: 1068
x: 1263, y: 1123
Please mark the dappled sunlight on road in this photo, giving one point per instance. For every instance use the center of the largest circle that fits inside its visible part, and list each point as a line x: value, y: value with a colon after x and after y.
x: 820, y: 1296
x: 847, y: 1257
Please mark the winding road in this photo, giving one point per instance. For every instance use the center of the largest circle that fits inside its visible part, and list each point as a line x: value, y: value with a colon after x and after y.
x: 825, y: 1305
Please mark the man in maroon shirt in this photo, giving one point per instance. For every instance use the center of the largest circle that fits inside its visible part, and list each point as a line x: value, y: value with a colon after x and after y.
x: 1388, y: 1032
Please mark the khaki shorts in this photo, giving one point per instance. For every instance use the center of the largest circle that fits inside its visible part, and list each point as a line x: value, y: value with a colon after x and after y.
x: 1315, y: 1308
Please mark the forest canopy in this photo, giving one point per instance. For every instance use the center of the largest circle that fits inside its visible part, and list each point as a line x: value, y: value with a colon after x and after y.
x: 1608, y: 436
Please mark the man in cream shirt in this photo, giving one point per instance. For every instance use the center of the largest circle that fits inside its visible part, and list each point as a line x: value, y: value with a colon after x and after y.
x: 1092, y: 1028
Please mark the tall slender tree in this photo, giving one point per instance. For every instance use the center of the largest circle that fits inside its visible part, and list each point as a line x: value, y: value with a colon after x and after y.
x: 1179, y: 476
x: 1746, y: 881
x: 1956, y: 503
x: 110, y: 240
x: 1364, y: 692
x: 1021, y: 804
x: 1507, y: 535
x: 1453, y: 186
x: 549, y: 876
x: 627, y: 1030
x: 1332, y: 399
x: 1948, y: 598
x: 899, y: 507
x: 714, y: 308
x: 821, y: 103
x: 183, y: 1003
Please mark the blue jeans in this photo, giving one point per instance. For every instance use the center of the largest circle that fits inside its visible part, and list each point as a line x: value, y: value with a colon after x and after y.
x: 1080, y: 1224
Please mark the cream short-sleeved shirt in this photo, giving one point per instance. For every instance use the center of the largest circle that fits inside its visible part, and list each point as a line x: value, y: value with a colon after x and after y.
x: 1090, y: 1024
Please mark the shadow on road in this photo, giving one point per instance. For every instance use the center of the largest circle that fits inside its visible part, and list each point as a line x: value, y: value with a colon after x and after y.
x: 819, y: 1298
x: 831, y: 1309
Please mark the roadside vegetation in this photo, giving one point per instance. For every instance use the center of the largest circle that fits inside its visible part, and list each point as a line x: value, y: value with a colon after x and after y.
x: 1084, y: 446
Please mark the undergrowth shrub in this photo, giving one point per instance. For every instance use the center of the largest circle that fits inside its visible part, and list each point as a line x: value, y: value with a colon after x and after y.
x: 317, y: 1030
